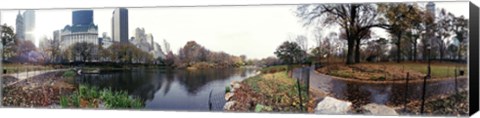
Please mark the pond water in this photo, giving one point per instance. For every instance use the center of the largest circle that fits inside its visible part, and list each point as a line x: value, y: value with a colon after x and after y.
x: 171, y: 90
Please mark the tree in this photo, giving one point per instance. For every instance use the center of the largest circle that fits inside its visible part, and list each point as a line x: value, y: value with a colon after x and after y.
x: 460, y: 29
x: 9, y: 42
x: 354, y: 19
x: 81, y: 51
x: 376, y: 49
x: 169, y: 59
x: 290, y: 52
x: 399, y: 18
x: 444, y: 29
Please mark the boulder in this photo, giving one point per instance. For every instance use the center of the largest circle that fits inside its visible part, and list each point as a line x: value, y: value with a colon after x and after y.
x: 228, y: 96
x: 234, y: 85
x: 377, y: 109
x: 331, y: 105
x: 229, y: 105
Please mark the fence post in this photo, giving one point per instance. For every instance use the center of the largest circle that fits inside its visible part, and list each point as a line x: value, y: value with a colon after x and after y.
x: 406, y: 93
x: 300, y: 95
x: 456, y: 87
x: 209, y: 101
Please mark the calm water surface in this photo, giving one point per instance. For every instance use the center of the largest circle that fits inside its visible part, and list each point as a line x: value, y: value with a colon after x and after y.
x: 171, y: 90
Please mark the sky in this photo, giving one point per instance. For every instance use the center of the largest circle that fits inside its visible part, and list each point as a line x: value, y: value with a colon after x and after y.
x: 255, y: 31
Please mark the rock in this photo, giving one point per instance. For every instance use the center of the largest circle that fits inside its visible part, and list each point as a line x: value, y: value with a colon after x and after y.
x: 331, y: 105
x: 229, y: 105
x: 236, y: 86
x: 228, y: 96
x: 376, y: 109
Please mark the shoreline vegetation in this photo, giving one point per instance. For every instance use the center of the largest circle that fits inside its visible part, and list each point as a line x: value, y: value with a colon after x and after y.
x: 56, y: 90
x: 93, y: 97
x: 271, y: 91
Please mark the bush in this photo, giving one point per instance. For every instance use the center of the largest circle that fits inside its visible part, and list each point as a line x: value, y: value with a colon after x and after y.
x: 227, y: 89
x: 64, y: 102
x: 93, y: 96
x: 69, y: 73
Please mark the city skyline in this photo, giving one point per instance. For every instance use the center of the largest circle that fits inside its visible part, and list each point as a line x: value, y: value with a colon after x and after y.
x: 232, y: 27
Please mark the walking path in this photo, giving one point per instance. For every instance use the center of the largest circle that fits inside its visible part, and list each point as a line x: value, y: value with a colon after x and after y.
x: 379, y: 92
x: 26, y: 75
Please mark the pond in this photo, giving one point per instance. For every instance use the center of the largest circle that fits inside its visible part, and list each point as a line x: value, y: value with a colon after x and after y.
x: 171, y: 89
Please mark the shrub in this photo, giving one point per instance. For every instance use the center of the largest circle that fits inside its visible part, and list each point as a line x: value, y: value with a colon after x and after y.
x: 69, y: 73
x: 227, y: 89
x: 92, y: 95
x: 64, y: 102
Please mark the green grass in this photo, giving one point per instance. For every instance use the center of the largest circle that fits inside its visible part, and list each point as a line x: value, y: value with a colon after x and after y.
x: 94, y: 96
x: 437, y: 70
x: 69, y: 73
x: 278, y: 68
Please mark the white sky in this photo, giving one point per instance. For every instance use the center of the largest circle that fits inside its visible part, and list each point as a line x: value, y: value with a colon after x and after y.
x: 255, y: 31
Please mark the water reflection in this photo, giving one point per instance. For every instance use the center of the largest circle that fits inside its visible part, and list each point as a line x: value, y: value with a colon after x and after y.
x: 170, y: 90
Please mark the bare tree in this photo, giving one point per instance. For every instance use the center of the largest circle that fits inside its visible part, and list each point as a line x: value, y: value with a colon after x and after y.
x: 354, y: 19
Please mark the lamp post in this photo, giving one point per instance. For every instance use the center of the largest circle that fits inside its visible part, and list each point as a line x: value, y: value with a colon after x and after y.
x: 425, y: 81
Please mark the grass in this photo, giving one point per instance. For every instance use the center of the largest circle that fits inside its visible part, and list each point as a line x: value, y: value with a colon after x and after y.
x: 92, y: 97
x: 69, y: 73
x: 438, y: 70
x: 392, y: 70
x: 277, y: 68
x: 279, y: 90
x: 15, y: 68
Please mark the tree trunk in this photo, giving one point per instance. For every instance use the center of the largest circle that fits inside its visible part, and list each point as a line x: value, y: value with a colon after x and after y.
x: 399, y: 49
x: 357, y: 50
x: 415, y: 49
x: 459, y: 55
x: 350, y: 44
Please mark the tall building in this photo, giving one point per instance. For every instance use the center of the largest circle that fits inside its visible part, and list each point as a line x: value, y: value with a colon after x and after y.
x: 120, y: 25
x: 29, y: 23
x: 20, y: 27
x: 149, y: 38
x: 82, y: 30
x: 56, y: 35
x: 140, y: 34
x: 431, y: 8
x: 82, y: 17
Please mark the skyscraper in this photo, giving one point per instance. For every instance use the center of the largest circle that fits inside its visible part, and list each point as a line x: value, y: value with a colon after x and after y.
x: 20, y: 27
x: 29, y: 23
x: 82, y: 17
x: 120, y: 25
x: 82, y: 30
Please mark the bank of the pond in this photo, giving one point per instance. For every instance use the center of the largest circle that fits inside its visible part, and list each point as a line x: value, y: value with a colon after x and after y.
x: 56, y: 89
x: 268, y: 92
x: 39, y: 91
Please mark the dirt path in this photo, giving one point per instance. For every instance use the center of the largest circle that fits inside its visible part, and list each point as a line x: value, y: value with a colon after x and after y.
x: 26, y: 75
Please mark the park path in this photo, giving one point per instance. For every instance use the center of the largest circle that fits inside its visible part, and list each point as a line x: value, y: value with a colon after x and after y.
x: 26, y: 75
x: 379, y: 93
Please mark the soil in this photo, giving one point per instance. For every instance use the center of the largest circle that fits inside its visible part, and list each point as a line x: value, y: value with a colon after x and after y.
x: 39, y: 91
